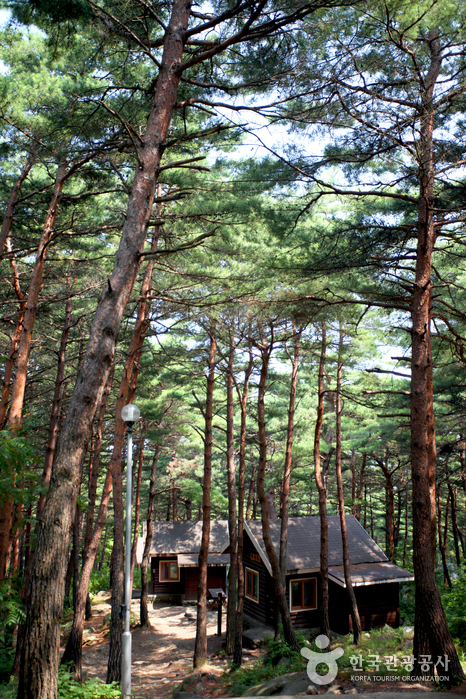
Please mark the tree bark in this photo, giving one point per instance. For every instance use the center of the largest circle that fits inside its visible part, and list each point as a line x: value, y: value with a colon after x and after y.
x: 288, y: 631
x: 200, y: 648
x: 322, y: 490
x: 357, y: 629
x: 39, y: 665
x: 57, y: 397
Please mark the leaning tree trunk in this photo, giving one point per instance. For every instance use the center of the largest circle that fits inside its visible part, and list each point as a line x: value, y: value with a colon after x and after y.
x: 73, y: 650
x: 233, y: 574
x: 200, y: 648
x: 238, y: 651
x: 320, y: 483
x: 39, y: 667
x: 24, y: 349
x: 357, y: 629
x: 288, y: 632
x: 431, y: 634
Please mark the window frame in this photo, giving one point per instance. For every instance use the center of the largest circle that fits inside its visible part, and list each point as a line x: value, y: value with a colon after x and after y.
x: 302, y: 608
x: 254, y: 573
x: 169, y: 580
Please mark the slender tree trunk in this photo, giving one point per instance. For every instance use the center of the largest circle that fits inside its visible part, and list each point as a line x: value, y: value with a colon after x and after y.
x: 322, y: 490
x: 116, y: 623
x: 238, y: 651
x: 360, y: 490
x: 22, y: 356
x: 442, y: 540
x: 252, y: 486
x: 200, y: 648
x: 233, y: 575
x: 357, y: 629
x: 431, y: 634
x: 390, y: 507
x: 285, y: 492
x: 405, y: 545
x: 38, y: 674
x: 454, y: 522
x: 10, y: 209
x: 14, y: 339
x: 288, y: 632
x: 137, y: 505
x: 144, y: 612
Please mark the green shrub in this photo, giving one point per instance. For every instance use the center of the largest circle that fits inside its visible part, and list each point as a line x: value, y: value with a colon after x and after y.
x: 12, y: 613
x: 69, y: 689
x: 454, y: 604
x: 91, y: 689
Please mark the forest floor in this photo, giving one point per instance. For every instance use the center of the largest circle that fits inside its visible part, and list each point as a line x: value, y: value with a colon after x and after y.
x: 162, y: 655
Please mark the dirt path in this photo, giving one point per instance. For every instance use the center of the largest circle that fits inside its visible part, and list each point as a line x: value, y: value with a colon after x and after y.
x: 162, y: 656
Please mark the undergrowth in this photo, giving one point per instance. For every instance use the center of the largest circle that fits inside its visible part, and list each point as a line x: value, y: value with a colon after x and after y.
x: 69, y: 689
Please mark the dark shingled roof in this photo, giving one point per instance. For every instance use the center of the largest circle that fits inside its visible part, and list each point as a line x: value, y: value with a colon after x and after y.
x: 185, y: 537
x: 370, y: 574
x: 303, y: 550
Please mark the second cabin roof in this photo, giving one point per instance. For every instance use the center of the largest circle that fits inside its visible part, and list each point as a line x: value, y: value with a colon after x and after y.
x: 303, y: 549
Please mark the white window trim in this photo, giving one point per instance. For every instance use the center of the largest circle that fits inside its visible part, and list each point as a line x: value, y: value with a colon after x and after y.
x: 255, y: 572
x: 303, y: 609
x: 169, y: 580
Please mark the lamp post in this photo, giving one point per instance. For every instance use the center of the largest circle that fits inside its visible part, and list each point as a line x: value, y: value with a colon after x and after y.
x: 129, y: 414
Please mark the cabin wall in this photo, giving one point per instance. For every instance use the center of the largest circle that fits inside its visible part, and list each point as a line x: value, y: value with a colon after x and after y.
x: 168, y: 589
x: 262, y: 610
x: 309, y: 618
x: 216, y: 577
x: 186, y: 587
x: 377, y: 604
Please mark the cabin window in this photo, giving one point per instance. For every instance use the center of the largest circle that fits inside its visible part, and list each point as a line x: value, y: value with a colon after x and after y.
x: 303, y: 594
x: 252, y: 585
x: 169, y: 571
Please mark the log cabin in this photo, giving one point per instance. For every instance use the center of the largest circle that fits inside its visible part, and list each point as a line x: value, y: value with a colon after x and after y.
x: 375, y: 580
x: 174, y: 558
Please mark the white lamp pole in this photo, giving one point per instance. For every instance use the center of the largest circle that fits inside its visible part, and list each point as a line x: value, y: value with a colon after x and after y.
x: 129, y: 414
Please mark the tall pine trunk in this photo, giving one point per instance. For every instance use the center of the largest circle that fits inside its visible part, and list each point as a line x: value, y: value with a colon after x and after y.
x: 285, y: 491
x: 357, y: 629
x: 233, y: 575
x: 431, y: 634
x: 322, y: 490
x: 238, y: 651
x: 279, y: 589
x: 200, y: 648
x: 39, y: 666
x: 144, y: 612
